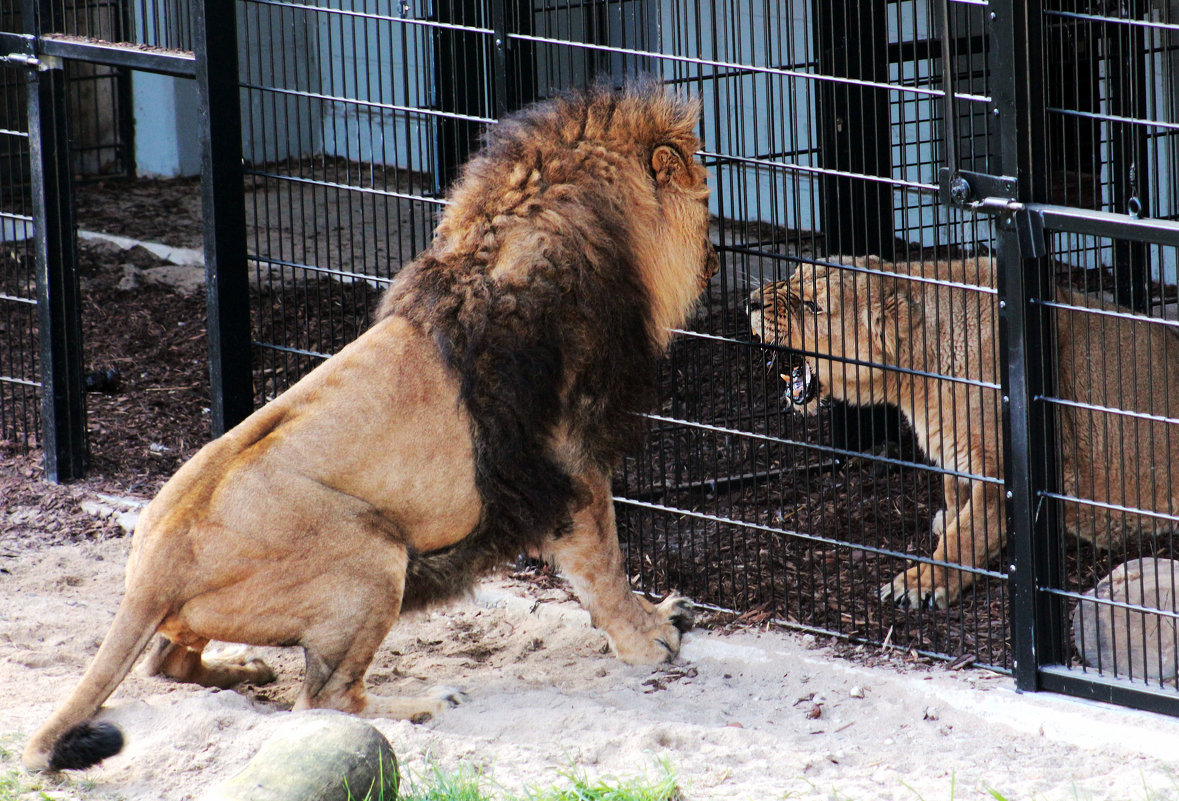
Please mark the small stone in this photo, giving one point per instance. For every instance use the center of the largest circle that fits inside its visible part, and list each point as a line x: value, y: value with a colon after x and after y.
x: 856, y: 692
x: 130, y: 279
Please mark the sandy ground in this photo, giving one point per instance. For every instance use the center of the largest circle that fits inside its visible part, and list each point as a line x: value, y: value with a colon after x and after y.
x: 743, y: 715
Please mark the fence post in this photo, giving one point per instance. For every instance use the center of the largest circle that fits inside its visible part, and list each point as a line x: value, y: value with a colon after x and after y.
x: 461, y: 71
x: 65, y: 448
x: 854, y: 130
x: 1130, y: 163
x: 226, y: 270
x: 1026, y: 345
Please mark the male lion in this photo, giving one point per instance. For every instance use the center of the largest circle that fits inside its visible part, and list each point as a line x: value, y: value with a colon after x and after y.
x: 873, y: 332
x: 478, y: 418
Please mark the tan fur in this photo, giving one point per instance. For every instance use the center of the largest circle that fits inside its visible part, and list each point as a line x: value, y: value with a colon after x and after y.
x: 910, y: 316
x: 370, y: 486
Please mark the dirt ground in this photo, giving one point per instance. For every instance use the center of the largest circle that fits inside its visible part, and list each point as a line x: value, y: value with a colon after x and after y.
x: 748, y: 712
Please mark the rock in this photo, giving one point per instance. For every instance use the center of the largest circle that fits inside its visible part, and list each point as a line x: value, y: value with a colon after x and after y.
x: 1123, y: 642
x: 130, y: 279
x: 320, y: 756
x: 181, y: 277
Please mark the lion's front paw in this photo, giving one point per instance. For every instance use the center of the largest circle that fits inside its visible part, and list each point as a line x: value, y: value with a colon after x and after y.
x: 659, y: 642
x: 922, y: 586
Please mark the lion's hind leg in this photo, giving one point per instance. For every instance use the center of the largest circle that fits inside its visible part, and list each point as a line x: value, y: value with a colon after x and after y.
x: 641, y: 633
x: 336, y: 664
x: 189, y: 663
x: 355, y: 619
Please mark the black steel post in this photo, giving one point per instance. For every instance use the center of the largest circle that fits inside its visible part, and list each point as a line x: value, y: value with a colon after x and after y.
x: 63, y: 395
x: 461, y: 74
x: 226, y: 272
x: 854, y: 130
x: 125, y: 103
x: 515, y: 59
x: 1027, y: 350
x: 1126, y: 49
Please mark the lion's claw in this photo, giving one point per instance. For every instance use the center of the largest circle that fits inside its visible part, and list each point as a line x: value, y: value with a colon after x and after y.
x: 909, y: 591
x: 659, y: 632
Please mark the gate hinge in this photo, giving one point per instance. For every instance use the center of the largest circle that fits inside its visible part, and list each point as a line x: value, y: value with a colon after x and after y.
x: 994, y: 195
x: 964, y: 188
x: 19, y: 50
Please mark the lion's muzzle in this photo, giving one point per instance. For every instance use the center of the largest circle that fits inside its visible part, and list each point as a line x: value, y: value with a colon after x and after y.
x: 803, y: 383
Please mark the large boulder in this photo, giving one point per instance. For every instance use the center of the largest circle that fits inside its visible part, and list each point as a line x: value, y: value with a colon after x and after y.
x: 320, y: 756
x: 1120, y: 640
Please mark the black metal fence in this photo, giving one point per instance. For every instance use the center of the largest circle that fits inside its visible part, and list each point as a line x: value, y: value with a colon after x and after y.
x: 984, y: 189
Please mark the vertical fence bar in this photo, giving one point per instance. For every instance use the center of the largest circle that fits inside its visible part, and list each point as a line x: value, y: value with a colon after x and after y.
x: 223, y: 199
x: 63, y: 400
x: 1026, y: 343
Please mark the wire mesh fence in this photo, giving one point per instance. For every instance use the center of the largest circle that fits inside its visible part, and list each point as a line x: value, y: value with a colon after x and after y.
x: 19, y: 367
x: 836, y: 445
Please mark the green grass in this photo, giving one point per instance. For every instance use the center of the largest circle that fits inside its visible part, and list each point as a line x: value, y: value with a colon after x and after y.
x: 467, y: 783
x: 16, y: 787
x: 15, y: 783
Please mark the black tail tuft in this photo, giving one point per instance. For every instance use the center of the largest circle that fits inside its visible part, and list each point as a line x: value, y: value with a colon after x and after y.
x: 84, y: 745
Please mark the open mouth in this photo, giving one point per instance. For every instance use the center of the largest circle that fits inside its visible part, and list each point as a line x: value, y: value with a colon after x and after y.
x: 802, y: 383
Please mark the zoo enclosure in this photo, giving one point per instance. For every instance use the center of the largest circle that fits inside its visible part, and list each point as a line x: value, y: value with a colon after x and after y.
x: 1042, y: 134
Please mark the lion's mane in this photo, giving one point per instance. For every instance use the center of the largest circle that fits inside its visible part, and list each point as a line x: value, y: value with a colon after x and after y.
x: 531, y: 275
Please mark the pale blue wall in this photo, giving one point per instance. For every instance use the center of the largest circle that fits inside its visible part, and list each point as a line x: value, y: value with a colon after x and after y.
x: 166, y: 125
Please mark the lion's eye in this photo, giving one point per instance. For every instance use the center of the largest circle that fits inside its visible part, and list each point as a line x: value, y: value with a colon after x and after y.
x: 812, y: 307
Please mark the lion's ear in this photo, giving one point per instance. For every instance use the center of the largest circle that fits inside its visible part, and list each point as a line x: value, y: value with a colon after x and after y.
x: 668, y: 165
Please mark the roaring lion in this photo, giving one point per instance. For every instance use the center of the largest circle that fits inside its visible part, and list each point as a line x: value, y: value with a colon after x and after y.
x: 480, y: 417
x: 871, y: 332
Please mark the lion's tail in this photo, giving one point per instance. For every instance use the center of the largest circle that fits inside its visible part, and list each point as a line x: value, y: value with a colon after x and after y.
x: 70, y: 739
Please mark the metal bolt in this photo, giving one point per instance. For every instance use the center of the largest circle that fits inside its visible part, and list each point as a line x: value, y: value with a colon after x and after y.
x: 1006, y: 399
x: 1002, y: 304
x: 960, y: 189
x: 21, y: 59
x: 1010, y: 494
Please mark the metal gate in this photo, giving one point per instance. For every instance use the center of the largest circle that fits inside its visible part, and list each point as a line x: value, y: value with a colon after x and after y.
x: 39, y: 39
x: 1080, y: 180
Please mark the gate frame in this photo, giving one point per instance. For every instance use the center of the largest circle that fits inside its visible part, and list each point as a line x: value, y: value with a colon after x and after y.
x: 1018, y: 200
x: 214, y: 64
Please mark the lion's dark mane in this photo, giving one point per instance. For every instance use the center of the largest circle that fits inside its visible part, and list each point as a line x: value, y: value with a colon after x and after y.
x: 560, y: 343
